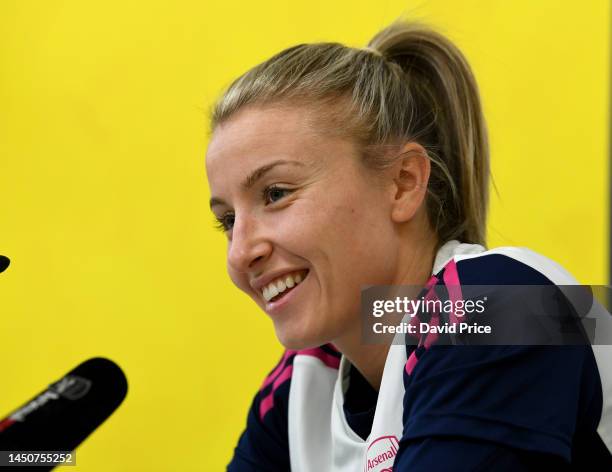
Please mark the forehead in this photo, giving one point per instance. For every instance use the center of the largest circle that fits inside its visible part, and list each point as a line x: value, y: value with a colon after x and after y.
x: 255, y: 135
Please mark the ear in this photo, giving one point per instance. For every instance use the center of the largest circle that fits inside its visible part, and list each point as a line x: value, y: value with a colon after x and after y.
x: 410, y: 175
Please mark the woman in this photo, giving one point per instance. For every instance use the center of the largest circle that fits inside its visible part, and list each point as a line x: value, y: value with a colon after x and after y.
x: 332, y: 168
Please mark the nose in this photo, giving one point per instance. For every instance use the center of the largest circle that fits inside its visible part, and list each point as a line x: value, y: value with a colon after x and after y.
x: 248, y: 245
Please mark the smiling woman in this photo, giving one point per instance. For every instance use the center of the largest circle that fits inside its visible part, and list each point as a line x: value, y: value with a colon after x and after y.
x: 331, y: 168
x: 297, y: 214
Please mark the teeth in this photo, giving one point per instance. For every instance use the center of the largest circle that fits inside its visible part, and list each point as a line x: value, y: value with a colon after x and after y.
x: 280, y: 285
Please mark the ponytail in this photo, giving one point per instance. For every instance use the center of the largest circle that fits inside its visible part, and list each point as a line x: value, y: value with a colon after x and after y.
x: 449, y: 124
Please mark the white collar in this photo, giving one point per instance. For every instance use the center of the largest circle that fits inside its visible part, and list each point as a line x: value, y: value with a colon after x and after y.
x: 453, y: 248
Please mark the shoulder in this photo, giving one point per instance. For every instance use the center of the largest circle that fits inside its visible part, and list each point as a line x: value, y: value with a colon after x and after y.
x: 520, y: 280
x: 523, y: 396
x: 264, y: 444
x: 277, y: 382
x: 507, y: 265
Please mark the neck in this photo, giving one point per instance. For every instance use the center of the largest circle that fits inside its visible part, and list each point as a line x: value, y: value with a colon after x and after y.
x: 415, y: 263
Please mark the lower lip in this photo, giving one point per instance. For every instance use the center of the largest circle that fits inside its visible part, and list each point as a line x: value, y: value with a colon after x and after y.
x: 274, y: 307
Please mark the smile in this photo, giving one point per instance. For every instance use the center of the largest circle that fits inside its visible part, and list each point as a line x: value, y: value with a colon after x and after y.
x: 279, y: 287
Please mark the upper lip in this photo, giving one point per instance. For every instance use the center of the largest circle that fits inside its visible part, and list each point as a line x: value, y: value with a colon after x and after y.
x: 260, y: 282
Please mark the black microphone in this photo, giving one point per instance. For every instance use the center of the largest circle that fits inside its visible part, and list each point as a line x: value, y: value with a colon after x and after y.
x: 4, y: 263
x: 63, y: 415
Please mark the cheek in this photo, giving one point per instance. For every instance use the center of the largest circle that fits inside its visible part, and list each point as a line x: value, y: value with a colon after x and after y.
x: 339, y: 231
x: 352, y: 228
x: 296, y: 229
x: 360, y: 245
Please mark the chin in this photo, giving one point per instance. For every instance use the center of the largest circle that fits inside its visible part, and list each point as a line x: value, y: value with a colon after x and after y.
x: 298, y: 339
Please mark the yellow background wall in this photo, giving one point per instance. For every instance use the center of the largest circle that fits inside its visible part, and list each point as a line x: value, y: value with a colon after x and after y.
x: 104, y: 199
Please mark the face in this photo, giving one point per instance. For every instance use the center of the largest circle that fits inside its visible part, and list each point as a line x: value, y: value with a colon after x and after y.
x: 294, y: 202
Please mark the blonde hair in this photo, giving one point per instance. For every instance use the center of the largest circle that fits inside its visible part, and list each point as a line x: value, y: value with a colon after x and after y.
x: 409, y: 83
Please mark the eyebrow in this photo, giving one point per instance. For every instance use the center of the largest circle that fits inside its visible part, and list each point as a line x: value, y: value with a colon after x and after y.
x: 254, y: 176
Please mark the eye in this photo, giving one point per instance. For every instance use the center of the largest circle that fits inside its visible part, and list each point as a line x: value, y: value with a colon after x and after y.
x: 273, y: 193
x: 225, y: 222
